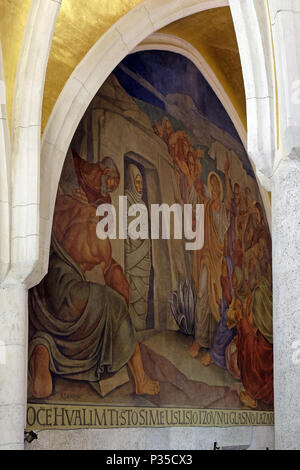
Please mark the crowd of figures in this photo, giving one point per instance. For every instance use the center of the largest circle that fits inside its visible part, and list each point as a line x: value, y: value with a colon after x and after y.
x: 231, y: 273
x: 81, y: 329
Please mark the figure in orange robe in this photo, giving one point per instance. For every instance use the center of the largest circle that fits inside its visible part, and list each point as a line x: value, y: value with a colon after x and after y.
x: 208, y: 261
x: 255, y: 348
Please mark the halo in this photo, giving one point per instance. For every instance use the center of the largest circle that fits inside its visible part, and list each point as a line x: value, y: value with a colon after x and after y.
x: 213, y: 173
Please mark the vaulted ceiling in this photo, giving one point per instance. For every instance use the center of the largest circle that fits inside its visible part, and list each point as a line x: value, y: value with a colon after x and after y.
x: 80, y: 24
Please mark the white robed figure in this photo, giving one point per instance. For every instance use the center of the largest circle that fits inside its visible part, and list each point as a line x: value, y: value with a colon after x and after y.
x: 137, y: 255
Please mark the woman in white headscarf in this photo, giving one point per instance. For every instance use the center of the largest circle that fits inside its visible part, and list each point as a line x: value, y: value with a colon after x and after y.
x: 137, y: 255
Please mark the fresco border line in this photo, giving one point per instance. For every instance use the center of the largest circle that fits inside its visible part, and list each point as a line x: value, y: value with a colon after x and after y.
x: 70, y: 417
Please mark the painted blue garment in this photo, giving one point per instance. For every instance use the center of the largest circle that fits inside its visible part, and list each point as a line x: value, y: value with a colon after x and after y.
x: 223, y: 335
x: 222, y: 338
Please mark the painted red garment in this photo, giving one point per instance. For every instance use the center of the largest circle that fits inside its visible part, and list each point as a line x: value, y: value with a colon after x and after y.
x: 255, y: 361
x: 89, y: 179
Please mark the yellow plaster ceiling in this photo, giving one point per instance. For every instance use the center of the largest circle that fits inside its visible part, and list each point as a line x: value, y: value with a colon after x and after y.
x: 212, y: 33
x: 78, y: 28
x: 81, y: 24
x: 13, y: 17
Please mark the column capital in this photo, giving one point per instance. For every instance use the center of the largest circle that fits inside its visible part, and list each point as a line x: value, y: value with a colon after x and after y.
x: 285, y: 19
x: 22, y: 201
x: 253, y: 32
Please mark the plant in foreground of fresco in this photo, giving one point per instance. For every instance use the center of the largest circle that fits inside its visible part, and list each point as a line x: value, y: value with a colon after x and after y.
x: 183, y: 305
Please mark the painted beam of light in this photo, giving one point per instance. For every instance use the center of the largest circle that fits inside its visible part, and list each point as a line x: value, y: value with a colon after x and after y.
x: 143, y: 82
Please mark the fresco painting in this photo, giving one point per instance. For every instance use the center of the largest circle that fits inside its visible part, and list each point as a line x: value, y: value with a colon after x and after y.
x: 146, y: 323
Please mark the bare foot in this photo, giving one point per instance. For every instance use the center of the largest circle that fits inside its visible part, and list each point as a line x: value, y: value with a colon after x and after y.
x: 147, y: 387
x: 247, y: 400
x: 143, y: 384
x: 194, y: 349
x: 206, y: 360
x: 42, y: 381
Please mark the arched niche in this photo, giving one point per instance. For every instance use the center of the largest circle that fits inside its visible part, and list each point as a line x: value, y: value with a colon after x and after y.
x: 80, y: 89
x: 158, y: 111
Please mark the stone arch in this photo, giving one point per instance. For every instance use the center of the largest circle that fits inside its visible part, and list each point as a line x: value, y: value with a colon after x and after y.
x: 252, y: 25
x: 20, y: 152
x: 91, y: 73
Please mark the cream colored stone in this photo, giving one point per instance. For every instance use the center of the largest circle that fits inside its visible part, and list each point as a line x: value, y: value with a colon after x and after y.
x: 5, y: 181
x: 12, y: 318
x: 192, y: 6
x: 68, y: 126
x: 286, y: 300
x: 24, y: 197
x: 26, y: 136
x: 262, y: 139
x: 13, y: 369
x: 75, y: 87
x: 143, y: 26
x: 286, y: 43
x: 162, y: 12
x: 280, y: 6
x: 255, y: 46
x: 12, y: 425
x: 33, y: 62
x: 25, y: 165
x: 100, y: 61
x: 181, y: 439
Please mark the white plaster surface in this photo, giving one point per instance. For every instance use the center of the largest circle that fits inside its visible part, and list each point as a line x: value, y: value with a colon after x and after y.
x: 251, y: 22
x: 286, y: 301
x: 143, y: 27
x: 12, y: 426
x: 154, y: 439
x: 286, y: 26
x: 2, y: 92
x: 4, y: 174
x: 279, y: 6
x: 13, y: 367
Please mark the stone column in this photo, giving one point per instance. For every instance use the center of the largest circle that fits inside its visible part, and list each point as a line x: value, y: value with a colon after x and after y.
x: 13, y: 366
x: 285, y: 20
x: 19, y: 214
x: 286, y: 301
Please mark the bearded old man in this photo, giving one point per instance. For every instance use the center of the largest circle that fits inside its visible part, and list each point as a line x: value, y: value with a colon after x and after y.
x: 82, y: 329
x: 137, y: 255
